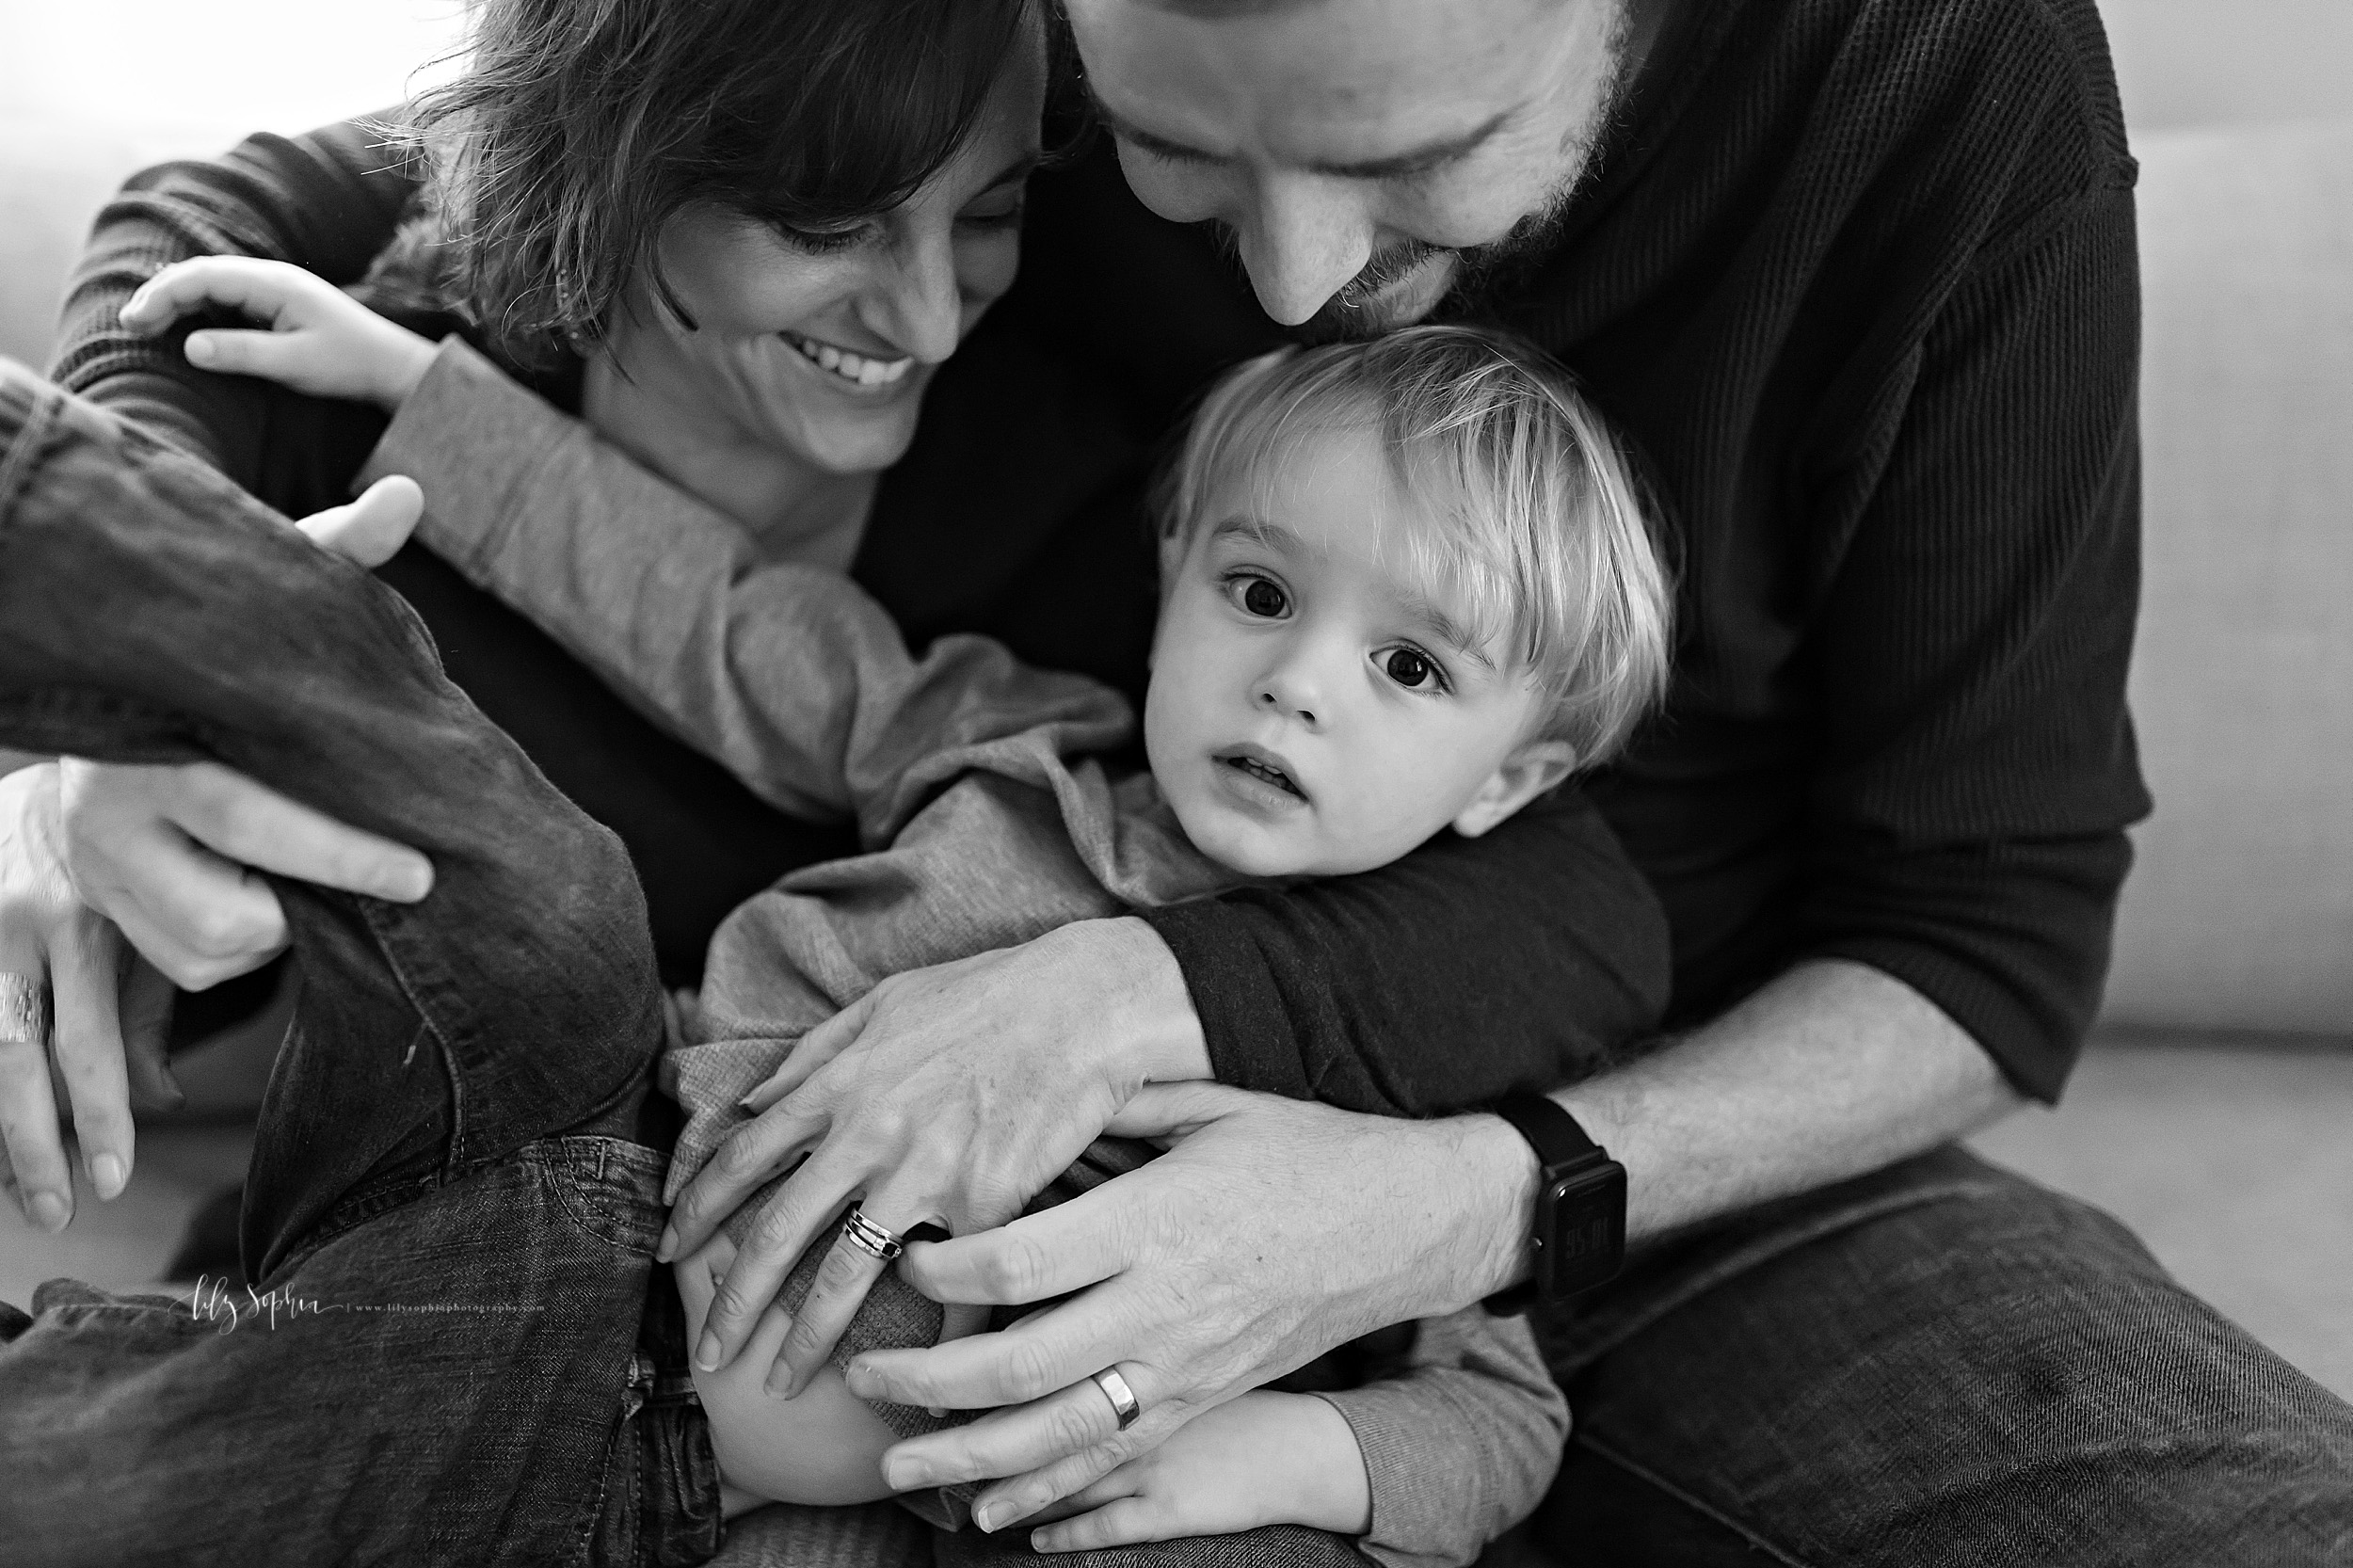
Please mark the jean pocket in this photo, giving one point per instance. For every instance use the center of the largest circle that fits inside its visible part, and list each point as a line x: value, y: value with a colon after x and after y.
x: 609, y: 1188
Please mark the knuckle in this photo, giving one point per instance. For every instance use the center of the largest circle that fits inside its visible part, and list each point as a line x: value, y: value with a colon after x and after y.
x: 1028, y: 1370
x: 740, y: 1157
x: 1014, y: 1269
x: 842, y: 1270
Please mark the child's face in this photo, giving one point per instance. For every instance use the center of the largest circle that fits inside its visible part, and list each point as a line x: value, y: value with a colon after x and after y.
x: 1313, y: 709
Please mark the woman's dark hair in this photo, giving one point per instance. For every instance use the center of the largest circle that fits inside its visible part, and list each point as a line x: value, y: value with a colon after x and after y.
x: 581, y: 126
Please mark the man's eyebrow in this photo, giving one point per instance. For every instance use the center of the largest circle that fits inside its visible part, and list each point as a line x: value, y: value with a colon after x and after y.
x: 1397, y: 166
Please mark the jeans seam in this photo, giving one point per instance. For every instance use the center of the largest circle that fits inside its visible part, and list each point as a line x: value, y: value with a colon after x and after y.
x: 1697, y: 1505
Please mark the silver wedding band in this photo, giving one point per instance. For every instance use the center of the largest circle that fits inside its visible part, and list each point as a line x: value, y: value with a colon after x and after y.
x: 23, y: 1010
x: 868, y: 1237
x: 1123, y: 1398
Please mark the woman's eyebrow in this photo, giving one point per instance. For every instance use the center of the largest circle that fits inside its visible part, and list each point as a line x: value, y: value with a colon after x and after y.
x: 1013, y: 173
x: 1395, y: 166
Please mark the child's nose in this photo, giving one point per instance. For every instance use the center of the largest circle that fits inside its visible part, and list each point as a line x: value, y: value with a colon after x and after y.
x: 1287, y: 690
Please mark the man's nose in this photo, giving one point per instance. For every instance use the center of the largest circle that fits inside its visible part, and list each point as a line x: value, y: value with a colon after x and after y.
x: 913, y: 300
x: 1306, y: 236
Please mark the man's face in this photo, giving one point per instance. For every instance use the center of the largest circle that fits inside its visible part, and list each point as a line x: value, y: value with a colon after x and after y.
x: 1362, y: 153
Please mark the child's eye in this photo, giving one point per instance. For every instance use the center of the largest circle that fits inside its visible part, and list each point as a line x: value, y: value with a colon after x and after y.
x: 1261, y: 597
x: 1411, y: 669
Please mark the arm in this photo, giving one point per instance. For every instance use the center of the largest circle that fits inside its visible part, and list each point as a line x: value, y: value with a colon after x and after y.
x: 789, y: 676
x: 328, y: 202
x: 1460, y: 1445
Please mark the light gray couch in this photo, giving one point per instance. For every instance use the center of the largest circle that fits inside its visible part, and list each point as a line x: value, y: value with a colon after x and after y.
x: 2214, y: 1114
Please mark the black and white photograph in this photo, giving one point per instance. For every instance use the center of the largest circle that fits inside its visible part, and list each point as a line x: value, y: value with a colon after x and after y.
x: 1177, y: 783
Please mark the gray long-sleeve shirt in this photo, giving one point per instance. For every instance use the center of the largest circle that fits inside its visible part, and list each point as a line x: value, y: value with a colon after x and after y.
x: 987, y: 820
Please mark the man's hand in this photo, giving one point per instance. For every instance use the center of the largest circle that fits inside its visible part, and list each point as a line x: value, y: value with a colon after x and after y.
x: 167, y: 857
x: 316, y: 338
x: 1268, y: 1233
x: 950, y: 1093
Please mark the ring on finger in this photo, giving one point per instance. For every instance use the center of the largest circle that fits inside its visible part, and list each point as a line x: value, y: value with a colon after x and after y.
x: 1124, y: 1402
x: 868, y: 1237
x: 23, y: 1009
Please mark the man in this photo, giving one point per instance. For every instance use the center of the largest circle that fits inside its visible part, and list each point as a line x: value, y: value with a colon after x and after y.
x: 1859, y: 280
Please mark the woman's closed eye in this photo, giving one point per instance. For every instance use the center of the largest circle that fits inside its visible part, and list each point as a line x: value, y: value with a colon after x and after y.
x: 996, y: 213
x: 1413, y: 669
x: 1253, y: 595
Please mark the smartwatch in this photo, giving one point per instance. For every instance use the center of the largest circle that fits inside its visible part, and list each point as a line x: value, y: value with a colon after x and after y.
x: 1579, y: 1239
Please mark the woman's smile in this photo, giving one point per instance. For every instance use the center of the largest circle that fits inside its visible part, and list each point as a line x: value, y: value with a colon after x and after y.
x: 867, y: 371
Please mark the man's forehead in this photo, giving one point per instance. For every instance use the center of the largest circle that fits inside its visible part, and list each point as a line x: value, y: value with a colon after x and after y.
x: 1318, y: 81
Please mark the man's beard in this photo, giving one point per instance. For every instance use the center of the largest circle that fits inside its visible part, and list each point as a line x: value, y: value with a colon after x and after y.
x: 1353, y: 313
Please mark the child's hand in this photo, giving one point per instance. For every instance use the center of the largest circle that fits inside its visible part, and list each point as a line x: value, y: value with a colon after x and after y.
x: 1262, y: 1459
x: 319, y: 340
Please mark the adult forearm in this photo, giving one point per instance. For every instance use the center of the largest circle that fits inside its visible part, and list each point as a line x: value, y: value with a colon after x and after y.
x: 1832, y: 1071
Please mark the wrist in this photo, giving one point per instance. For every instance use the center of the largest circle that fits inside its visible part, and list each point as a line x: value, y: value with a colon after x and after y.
x: 1152, y: 1031
x: 1315, y: 1469
x: 1502, y: 1176
x: 407, y: 357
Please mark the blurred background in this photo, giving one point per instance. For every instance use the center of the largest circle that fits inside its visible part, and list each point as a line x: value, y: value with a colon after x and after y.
x: 2213, y: 1114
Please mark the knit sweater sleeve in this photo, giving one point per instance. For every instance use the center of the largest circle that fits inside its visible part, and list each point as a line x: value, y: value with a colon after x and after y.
x: 1979, y: 761
x: 329, y: 201
x: 1460, y: 1445
x: 1522, y: 959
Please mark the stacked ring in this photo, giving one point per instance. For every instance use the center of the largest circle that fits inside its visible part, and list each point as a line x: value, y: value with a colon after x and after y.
x: 868, y: 1237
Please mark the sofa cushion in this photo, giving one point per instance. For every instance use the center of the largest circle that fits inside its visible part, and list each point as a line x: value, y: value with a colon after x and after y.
x: 2239, y: 915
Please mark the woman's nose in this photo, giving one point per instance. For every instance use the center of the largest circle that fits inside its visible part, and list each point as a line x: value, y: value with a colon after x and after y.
x: 914, y: 301
x: 1306, y: 236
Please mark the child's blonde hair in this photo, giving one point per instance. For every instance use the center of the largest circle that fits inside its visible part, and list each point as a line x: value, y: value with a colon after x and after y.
x: 1536, y: 518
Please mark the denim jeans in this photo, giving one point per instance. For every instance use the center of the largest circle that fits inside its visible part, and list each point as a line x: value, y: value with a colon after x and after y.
x: 450, y: 1214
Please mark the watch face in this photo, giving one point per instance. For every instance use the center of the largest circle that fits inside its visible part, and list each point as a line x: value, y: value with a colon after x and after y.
x: 1586, y: 1240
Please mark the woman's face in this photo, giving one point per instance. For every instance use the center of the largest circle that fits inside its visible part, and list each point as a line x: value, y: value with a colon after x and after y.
x: 821, y: 347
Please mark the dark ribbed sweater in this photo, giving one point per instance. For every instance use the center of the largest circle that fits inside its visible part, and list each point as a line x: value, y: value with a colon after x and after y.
x: 1858, y: 278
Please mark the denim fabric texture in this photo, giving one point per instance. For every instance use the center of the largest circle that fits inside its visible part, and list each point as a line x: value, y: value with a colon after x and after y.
x: 447, y: 1217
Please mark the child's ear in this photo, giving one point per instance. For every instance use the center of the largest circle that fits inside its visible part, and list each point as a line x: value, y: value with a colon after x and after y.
x: 1524, y: 774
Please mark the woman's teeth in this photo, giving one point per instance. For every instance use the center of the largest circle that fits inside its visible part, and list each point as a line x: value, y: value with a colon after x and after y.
x: 850, y: 367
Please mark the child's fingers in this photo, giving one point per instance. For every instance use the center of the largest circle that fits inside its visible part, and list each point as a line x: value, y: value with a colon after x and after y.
x: 1122, y: 1522
x: 242, y: 282
x: 372, y: 529
x: 242, y: 351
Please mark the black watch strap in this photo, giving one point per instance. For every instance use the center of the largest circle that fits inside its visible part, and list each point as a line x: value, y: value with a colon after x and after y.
x: 1578, y: 1234
x: 1554, y: 1134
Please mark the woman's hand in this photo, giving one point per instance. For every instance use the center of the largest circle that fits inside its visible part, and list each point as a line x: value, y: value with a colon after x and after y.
x: 952, y: 1094
x: 1271, y: 1231
x: 92, y: 854
x: 318, y: 338
x: 107, y: 1016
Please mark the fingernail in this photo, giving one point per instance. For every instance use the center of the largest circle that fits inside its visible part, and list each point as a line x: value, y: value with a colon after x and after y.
x: 903, y: 1475
x: 668, y: 1246
x: 988, y: 1515
x: 199, y: 349
x: 707, y: 1351
x: 48, y: 1211
x: 107, y: 1175
x: 409, y: 884
x: 860, y: 1380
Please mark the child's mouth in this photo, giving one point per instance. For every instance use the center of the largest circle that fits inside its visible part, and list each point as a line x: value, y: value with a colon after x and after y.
x: 1263, y: 771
